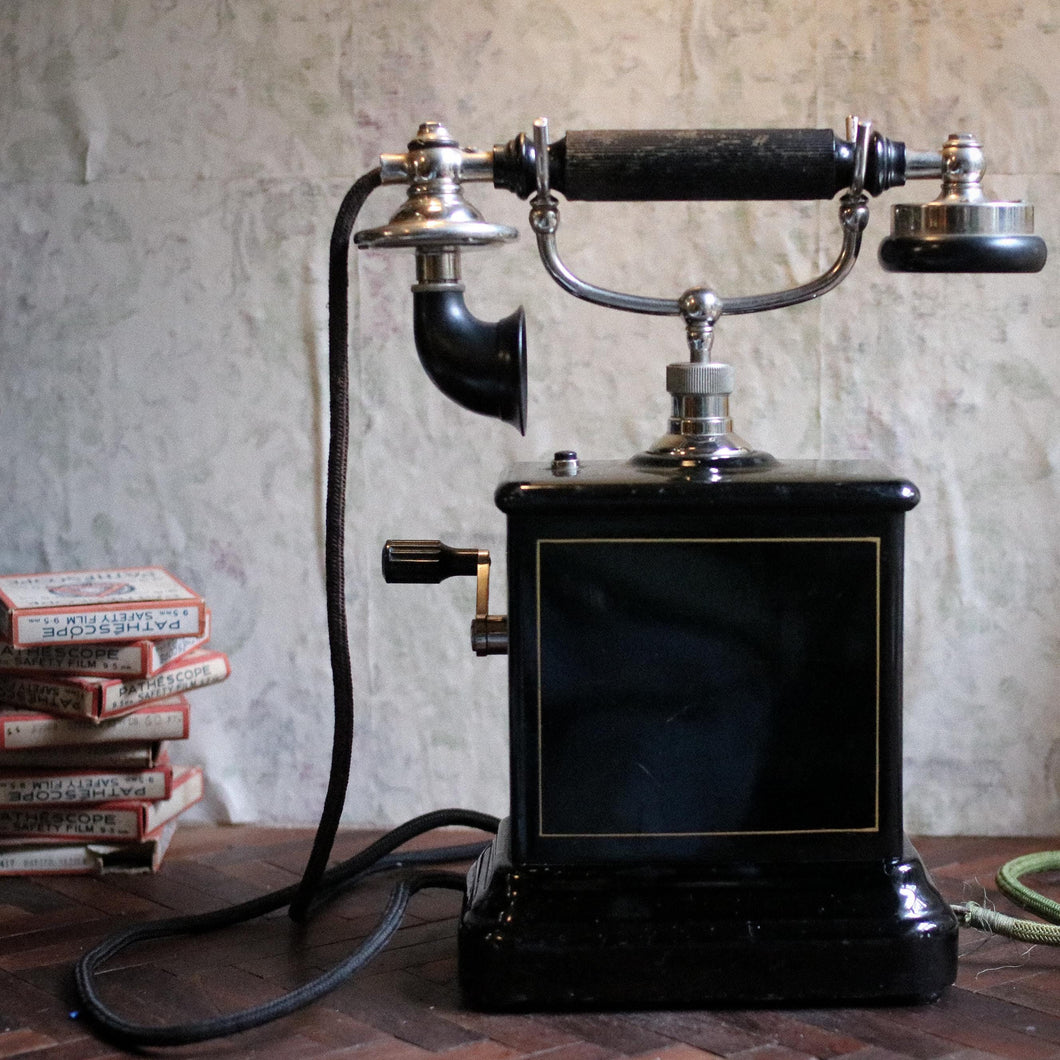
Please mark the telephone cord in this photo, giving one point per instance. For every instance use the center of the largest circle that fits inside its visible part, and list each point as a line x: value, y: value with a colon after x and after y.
x: 318, y: 883
x: 335, y: 537
x: 1010, y: 883
x: 341, y: 877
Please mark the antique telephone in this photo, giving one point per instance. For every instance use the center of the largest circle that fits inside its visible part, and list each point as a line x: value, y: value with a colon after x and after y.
x: 704, y: 641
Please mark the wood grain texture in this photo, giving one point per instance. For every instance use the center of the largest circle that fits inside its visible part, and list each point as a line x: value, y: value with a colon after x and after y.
x: 1006, y: 1002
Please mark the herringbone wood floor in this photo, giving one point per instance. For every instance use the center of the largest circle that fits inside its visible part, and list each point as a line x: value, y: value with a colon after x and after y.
x: 1006, y: 1002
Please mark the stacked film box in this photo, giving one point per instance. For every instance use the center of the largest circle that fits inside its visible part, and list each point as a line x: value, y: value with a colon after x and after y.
x: 94, y: 670
x: 98, y: 699
x: 88, y: 607
x: 138, y: 658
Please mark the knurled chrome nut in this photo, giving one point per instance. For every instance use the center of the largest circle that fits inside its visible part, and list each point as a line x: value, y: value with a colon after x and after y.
x: 688, y: 377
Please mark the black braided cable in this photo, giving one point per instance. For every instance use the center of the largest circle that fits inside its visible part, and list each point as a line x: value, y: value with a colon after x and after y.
x: 318, y: 883
x: 335, y: 537
x: 374, y: 858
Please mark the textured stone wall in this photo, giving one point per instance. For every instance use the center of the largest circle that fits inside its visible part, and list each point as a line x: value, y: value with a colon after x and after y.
x: 169, y: 173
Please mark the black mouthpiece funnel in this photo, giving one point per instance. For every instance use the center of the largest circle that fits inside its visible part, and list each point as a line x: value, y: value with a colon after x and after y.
x: 481, y: 366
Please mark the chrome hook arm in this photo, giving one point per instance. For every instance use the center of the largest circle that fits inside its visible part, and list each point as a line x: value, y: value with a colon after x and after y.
x: 544, y: 220
x: 853, y: 217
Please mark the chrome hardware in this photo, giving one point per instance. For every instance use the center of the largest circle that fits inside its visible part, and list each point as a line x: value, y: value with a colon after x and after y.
x: 701, y: 308
x: 962, y: 230
x: 565, y: 464
x: 434, y: 154
x: 435, y: 216
x: 480, y: 365
x: 962, y: 207
x: 853, y: 216
x: 700, y: 429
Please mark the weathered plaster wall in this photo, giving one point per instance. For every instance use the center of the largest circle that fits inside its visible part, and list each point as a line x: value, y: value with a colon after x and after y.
x: 169, y: 173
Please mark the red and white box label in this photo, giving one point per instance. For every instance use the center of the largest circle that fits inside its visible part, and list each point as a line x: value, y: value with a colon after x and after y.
x: 84, y: 607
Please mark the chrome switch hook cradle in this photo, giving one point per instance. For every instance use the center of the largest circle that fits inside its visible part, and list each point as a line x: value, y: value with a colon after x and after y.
x: 853, y: 217
x: 700, y: 428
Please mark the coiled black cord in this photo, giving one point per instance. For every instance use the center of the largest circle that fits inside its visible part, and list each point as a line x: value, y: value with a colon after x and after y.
x: 318, y: 884
x: 335, y: 880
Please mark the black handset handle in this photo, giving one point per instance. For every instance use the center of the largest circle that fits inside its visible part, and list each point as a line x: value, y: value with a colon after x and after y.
x: 612, y: 165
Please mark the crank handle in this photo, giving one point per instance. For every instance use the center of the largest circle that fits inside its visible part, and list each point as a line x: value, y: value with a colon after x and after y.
x: 431, y: 562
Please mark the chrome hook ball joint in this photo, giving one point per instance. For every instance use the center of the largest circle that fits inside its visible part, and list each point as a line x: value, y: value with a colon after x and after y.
x: 482, y: 366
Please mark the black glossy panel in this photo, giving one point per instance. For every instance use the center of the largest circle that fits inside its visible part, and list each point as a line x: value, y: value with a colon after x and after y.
x: 714, y: 685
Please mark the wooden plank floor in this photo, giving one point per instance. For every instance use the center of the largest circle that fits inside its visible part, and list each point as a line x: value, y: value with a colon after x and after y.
x: 1006, y: 1002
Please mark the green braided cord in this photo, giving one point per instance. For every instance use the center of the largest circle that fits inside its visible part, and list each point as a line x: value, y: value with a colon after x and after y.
x: 976, y: 916
x: 1008, y: 881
